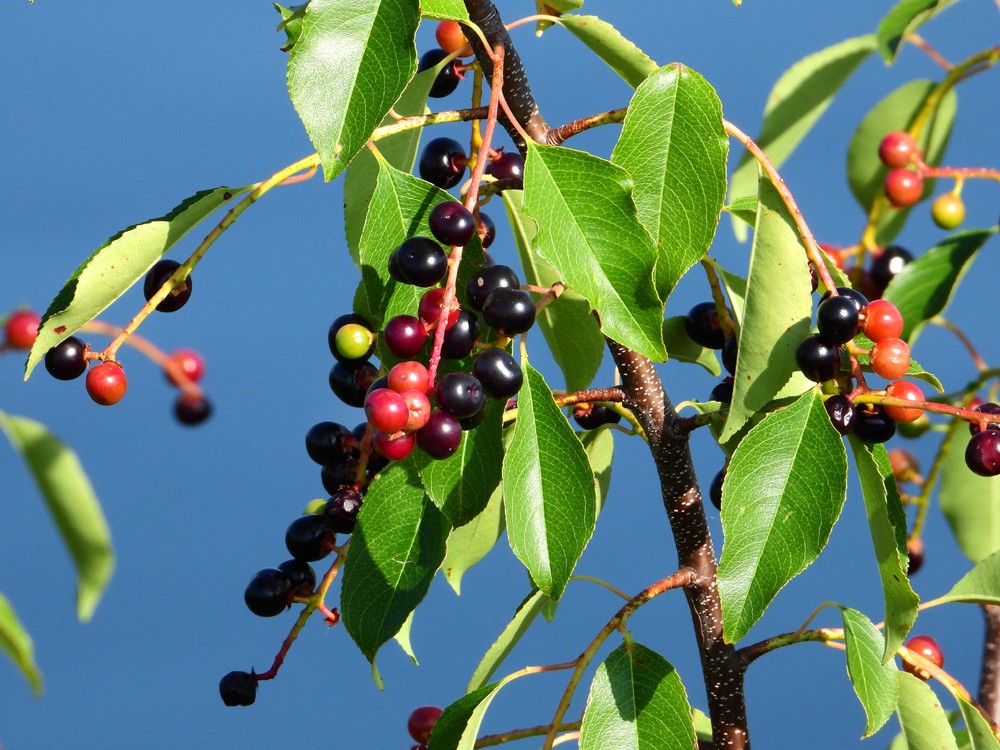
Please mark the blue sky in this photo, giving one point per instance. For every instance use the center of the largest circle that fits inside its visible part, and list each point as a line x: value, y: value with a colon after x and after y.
x: 116, y: 111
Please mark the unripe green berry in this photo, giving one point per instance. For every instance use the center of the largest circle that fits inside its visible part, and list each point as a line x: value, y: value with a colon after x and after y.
x: 354, y: 341
x: 948, y: 211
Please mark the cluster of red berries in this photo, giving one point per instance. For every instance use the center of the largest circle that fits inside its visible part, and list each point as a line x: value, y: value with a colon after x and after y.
x: 904, y: 186
x: 982, y: 455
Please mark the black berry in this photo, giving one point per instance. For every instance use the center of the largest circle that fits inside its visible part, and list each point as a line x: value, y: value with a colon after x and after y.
x: 192, y: 410
x: 817, y: 359
x: 461, y: 337
x: 308, y: 538
x: 157, y: 277
x: 325, y: 443
x: 729, y: 356
x: 509, y: 311
x: 443, y: 162
x: 404, y: 336
x: 337, y: 478
x: 487, y: 281
x: 837, y: 319
x: 342, y: 510
x: 67, y: 360
x: 452, y: 223
x: 873, y: 426
x: 350, y: 383
x: 885, y: 267
x: 715, y: 489
x: 441, y: 436
x: 983, y: 453
x: 238, y: 688
x: 419, y: 261
x: 592, y: 416
x: 487, y: 229
x: 703, y: 326
x: 723, y: 392
x: 507, y: 166
x: 448, y: 79
x: 459, y: 394
x: 988, y: 408
x: 842, y: 413
x: 860, y: 300
x: 498, y: 372
x: 268, y: 592
x: 301, y: 574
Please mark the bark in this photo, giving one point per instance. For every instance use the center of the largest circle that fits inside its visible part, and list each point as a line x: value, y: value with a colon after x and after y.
x: 989, y: 677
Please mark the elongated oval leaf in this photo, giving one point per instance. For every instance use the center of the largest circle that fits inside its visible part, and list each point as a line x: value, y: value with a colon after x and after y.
x: 905, y: 17
x: 549, y: 493
x: 637, y: 702
x: 600, y: 447
x: 981, y: 736
x: 981, y: 585
x: 874, y: 682
x: 924, y: 722
x: 627, y: 60
x: 784, y: 490
x: 970, y: 503
x: 458, y: 727
x: 70, y: 499
x: 589, y: 230
x: 117, y: 264
x: 396, y: 549
x: 674, y: 147
x: 16, y: 643
x: 469, y: 544
x: 351, y: 62
x: 527, y: 612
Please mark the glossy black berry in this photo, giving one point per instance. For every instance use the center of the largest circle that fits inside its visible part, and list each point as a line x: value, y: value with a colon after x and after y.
x: 837, y: 319
x: 729, y: 356
x: 342, y: 510
x: 487, y: 281
x: 441, y: 436
x: 507, y: 166
x: 325, y: 443
x: 592, y: 416
x: 268, y: 592
x: 67, y: 360
x: 471, y: 423
x: 860, y: 300
x: 873, y: 425
x: 192, y: 410
x: 982, y: 455
x: 452, y: 223
x: 336, y: 478
x: 817, y: 359
x: 461, y: 337
x: 885, y: 267
x: 448, y: 79
x: 308, y: 538
x: 238, y: 688
x: 498, y: 372
x: 715, y: 489
x: 157, y: 277
x: 419, y: 261
x: 987, y: 408
x: 443, y: 162
x: 509, y: 311
x: 350, y: 352
x: 301, y: 574
x: 723, y: 392
x: 459, y: 394
x: 842, y: 413
x: 487, y: 229
x: 703, y: 326
x: 350, y: 384
x: 404, y: 336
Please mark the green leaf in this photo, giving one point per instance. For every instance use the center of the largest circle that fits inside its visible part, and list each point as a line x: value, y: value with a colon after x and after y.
x: 588, y: 229
x: 568, y: 324
x: 770, y: 333
x: 468, y: 544
x: 403, y: 639
x: 349, y: 66
x: 637, y: 702
x: 873, y: 682
x: 981, y: 735
x: 291, y: 23
x: 905, y: 18
x: 458, y: 727
x: 736, y: 290
x: 397, y: 547
x: 674, y: 147
x: 981, y: 585
x: 527, y: 611
x: 16, y: 643
x: 744, y: 209
x: 627, y: 60
x: 783, y: 492
x: 702, y: 725
x: 681, y: 347
x: 796, y: 102
x: 444, y: 10
x: 866, y: 173
x: 553, y: 8
x: 461, y: 485
x: 70, y: 499
x: 970, y: 503
x: 887, y: 523
x: 117, y: 264
x: 600, y: 447
x: 924, y: 722
x: 925, y: 287
x: 550, y: 498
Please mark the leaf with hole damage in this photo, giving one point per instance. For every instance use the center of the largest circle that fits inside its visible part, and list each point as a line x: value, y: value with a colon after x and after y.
x: 16, y: 643
x: 981, y: 585
x: 116, y: 265
x: 873, y: 682
x: 350, y: 64
x: 970, y: 503
x: 784, y: 491
x: 674, y: 148
x: 623, y: 57
x: 589, y: 231
x: 905, y: 18
x: 923, y: 720
x: 527, y: 611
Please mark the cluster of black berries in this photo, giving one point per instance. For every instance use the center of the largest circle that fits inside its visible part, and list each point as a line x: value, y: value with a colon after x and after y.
x: 982, y: 455
x: 705, y: 329
x: 885, y: 264
x: 443, y: 163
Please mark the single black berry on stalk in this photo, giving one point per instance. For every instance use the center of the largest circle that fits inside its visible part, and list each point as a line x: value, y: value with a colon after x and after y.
x: 238, y: 688
x: 459, y: 394
x: 461, y: 337
x: 837, y: 319
x: 351, y: 338
x: 268, y: 592
x: 443, y: 162
x: 67, y: 360
x: 192, y: 410
x: 988, y: 408
x: 308, y: 538
x: 842, y: 413
x: 342, y: 510
x: 885, y: 267
x: 157, y: 277
x: 509, y: 311
x: 452, y: 223
x: 498, y: 372
x: 715, y: 489
x: 817, y: 359
x: 872, y: 425
x: 350, y: 384
x: 441, y: 436
x: 507, y: 166
x: 592, y: 416
x: 860, y: 300
x: 404, y: 336
x: 487, y: 229
x: 419, y: 261
x: 487, y: 281
x: 723, y: 392
x: 704, y: 327
x: 729, y: 356
x: 301, y: 574
x: 325, y: 443
x: 982, y: 455
x: 449, y: 77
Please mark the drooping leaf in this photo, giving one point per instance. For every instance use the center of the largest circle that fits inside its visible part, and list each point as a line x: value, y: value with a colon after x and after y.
x: 16, y: 643
x: 72, y: 503
x: 600, y: 447
x: 736, y: 290
x: 526, y: 613
x: 403, y: 639
x: 458, y: 727
x: 887, y: 524
x: 589, y: 231
x: 621, y: 55
x: 925, y: 287
x: 637, y: 702
x: 468, y: 544
x: 873, y: 681
x: 349, y: 66
x: 905, y: 18
x: 981, y: 736
x: 796, y: 102
x: 397, y: 547
x: 550, y: 499
x: 770, y: 333
x: 568, y: 324
x: 674, y: 147
x: 116, y: 265
x: 681, y: 347
x: 981, y: 585
x: 444, y: 10
x: 784, y: 490
x: 970, y: 503
x: 924, y: 722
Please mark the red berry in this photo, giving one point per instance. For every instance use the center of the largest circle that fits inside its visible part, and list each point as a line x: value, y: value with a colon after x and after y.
x: 418, y: 408
x: 189, y: 363
x: 882, y: 321
x: 21, y: 329
x: 897, y: 149
x: 429, y: 309
x: 903, y: 187
x: 421, y: 722
x: 395, y: 449
x: 106, y: 383
x: 386, y: 410
x: 404, y: 336
x: 409, y: 376
x: 891, y: 358
x: 907, y: 391
x: 927, y: 647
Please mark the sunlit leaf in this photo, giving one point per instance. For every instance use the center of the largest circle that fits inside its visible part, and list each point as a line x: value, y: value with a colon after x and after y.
x: 458, y: 727
x: 905, y: 18
x: 469, y: 544
x: 981, y: 585
x: 873, y: 681
x: 623, y: 57
x: 924, y: 722
x: 444, y: 10
x: 981, y: 736
x: 526, y: 613
x: 970, y: 503
x: 16, y: 643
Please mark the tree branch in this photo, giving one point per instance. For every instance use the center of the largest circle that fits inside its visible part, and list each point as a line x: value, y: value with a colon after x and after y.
x: 989, y: 678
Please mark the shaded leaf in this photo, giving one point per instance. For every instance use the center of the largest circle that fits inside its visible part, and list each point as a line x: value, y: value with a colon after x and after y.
x: 600, y: 447
x: 744, y: 209
x: 500, y: 649
x: 291, y: 23
x: 981, y: 735
x: 403, y: 639
x: 16, y: 643
x: 923, y: 721
x: 458, y: 727
x: 553, y: 8
x: 681, y: 347
x: 468, y: 544
x: 873, y: 682
x: 70, y: 499
x: 981, y: 585
x: 905, y: 18
x: 623, y: 57
x: 970, y: 503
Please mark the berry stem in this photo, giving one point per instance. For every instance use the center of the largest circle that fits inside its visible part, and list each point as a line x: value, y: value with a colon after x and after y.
x: 985, y: 173
x: 922, y: 44
x: 492, y: 740
x: 967, y: 415
x: 977, y: 360
x: 923, y: 499
x: 725, y: 321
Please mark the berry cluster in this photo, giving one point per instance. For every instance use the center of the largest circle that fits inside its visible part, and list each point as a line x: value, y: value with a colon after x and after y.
x: 704, y: 327
x: 453, y: 42
x: 904, y: 186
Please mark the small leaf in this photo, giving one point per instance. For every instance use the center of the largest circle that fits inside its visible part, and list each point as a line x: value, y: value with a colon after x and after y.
x: 588, y: 229
x: 981, y: 735
x: 526, y: 613
x: 468, y: 544
x: 970, y: 503
x: 873, y: 681
x: 627, y: 60
x: 784, y: 490
x: 550, y: 498
x: 568, y: 324
x: 458, y: 727
x: 905, y: 18
x: 403, y: 639
x: 637, y: 702
x: 744, y: 209
x: 925, y: 287
x: 600, y: 446
x: 16, y: 643
x: 681, y: 347
x: 70, y: 499
x: 887, y: 523
x: 921, y: 717
x: 397, y: 547
x: 981, y: 585
x: 349, y: 66
x: 117, y: 264
x: 444, y: 10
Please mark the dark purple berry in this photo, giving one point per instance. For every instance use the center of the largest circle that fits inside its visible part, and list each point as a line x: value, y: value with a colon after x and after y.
x: 342, y: 510
x: 723, y: 392
x: 983, y: 453
x: 487, y: 229
x: 459, y: 394
x: 404, y: 336
x: 157, y: 277
x: 704, y: 327
x: 873, y: 426
x: 509, y: 311
x: 461, y: 337
x: 837, y: 319
x: 470, y: 423
x: 729, y: 356
x: 238, y: 688
x: 592, y: 416
x: 885, y: 267
x: 67, y: 360
x: 441, y: 436
x: 302, y: 576
x: 987, y: 408
x: 350, y: 384
x: 487, y: 281
x: 715, y: 489
x: 382, y: 381
x: 331, y: 338
x: 498, y: 372
x: 268, y: 592
x: 192, y: 410
x: 860, y: 300
x: 507, y: 166
x: 452, y: 223
x: 842, y: 413
x: 325, y: 443
x: 817, y: 359
x: 308, y: 538
x: 448, y: 79
x: 337, y: 478
x: 443, y: 162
